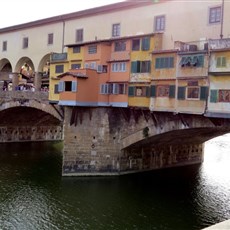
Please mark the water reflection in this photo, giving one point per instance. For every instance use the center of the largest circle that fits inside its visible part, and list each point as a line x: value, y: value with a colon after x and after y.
x: 212, y: 190
x: 33, y: 195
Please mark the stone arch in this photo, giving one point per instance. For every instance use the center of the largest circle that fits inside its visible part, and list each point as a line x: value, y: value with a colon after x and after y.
x: 21, y: 62
x: 5, y: 69
x: 47, y: 108
x: 5, y: 65
x: 42, y: 77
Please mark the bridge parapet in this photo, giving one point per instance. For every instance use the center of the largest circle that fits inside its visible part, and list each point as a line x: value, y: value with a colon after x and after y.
x: 30, y: 95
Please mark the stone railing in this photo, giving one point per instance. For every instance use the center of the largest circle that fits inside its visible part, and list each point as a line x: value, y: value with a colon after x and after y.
x: 29, y: 95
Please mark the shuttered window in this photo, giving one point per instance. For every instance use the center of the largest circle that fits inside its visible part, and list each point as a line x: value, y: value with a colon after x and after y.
x: 203, y: 93
x: 153, y: 91
x: 131, y: 91
x: 145, y: 43
x: 181, y: 93
x: 213, y: 95
x: 164, y: 62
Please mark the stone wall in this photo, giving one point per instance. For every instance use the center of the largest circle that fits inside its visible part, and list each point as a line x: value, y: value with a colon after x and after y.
x: 30, y: 133
x: 93, y: 144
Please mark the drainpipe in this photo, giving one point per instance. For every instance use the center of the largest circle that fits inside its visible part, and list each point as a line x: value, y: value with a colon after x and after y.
x: 222, y: 20
x: 63, y: 36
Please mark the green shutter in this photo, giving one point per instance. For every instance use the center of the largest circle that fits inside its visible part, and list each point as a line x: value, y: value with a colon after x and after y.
x: 153, y: 91
x: 147, y: 91
x: 223, y: 61
x: 172, y: 91
x: 181, y: 93
x: 145, y: 43
x: 203, y: 93
x: 218, y: 62
x: 131, y: 91
x: 201, y: 60
x: 171, y: 62
x: 133, y: 67
x: 148, y: 66
x: 157, y: 63
x: 213, y: 95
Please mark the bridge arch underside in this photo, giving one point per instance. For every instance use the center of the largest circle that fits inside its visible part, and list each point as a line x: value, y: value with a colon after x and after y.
x: 28, y: 124
x: 170, y: 149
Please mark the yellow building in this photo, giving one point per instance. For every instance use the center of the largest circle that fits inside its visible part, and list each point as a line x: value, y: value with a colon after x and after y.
x: 219, y: 76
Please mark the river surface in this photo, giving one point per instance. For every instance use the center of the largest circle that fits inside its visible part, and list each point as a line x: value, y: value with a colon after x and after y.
x: 33, y: 195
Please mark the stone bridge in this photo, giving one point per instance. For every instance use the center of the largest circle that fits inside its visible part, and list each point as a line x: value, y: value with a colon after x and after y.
x: 112, y: 141
x: 28, y: 116
x: 108, y: 141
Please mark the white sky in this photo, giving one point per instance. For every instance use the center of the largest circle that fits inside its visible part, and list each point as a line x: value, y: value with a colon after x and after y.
x: 14, y: 12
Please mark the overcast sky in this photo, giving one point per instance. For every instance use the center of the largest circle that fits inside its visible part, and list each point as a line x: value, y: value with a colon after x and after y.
x: 14, y: 12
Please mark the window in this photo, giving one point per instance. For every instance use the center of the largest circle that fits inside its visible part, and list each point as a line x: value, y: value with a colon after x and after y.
x: 120, y: 46
x: 224, y: 95
x: 77, y: 49
x: 116, y: 30
x: 92, y: 49
x: 140, y: 91
x: 135, y: 44
x: 104, y: 89
x: 93, y: 65
x: 192, y: 61
x: 164, y: 62
x: 50, y: 39
x: 119, y: 67
x: 4, y: 46
x: 145, y: 44
x: 118, y: 88
x: 193, y: 90
x: 221, y: 62
x: 79, y: 35
x: 59, y: 68
x: 102, y: 68
x: 215, y: 14
x: 163, y: 91
x: 67, y: 86
x: 25, y: 43
x: 76, y: 66
x: 56, y: 89
x: 159, y: 24
x: 140, y: 67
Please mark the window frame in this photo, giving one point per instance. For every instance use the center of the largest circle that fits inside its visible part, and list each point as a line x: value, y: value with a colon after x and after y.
x: 25, y: 42
x: 116, y: 30
x: 59, y: 68
x: 50, y: 39
x: 92, y: 49
x: 79, y: 35
x: 213, y: 15
x: 4, y: 46
x: 159, y: 23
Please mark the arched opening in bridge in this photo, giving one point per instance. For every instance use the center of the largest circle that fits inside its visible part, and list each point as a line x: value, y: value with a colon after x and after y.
x: 28, y: 124
x: 43, y: 73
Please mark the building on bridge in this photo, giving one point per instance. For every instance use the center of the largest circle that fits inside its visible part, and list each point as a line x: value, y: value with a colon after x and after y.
x: 142, y: 84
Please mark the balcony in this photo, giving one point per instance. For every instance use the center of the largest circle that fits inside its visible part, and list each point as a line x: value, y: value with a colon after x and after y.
x: 58, y: 57
x: 219, y: 43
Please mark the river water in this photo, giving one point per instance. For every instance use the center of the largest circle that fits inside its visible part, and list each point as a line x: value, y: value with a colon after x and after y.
x: 33, y: 195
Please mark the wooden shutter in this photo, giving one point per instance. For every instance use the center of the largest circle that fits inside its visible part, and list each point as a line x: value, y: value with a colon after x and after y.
x: 147, y: 91
x: 172, y: 89
x: 153, y: 91
x: 203, y: 93
x: 213, y: 95
x: 131, y: 91
x: 61, y: 86
x: 133, y: 67
x: 74, y: 86
x: 181, y: 93
x: 145, y: 43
